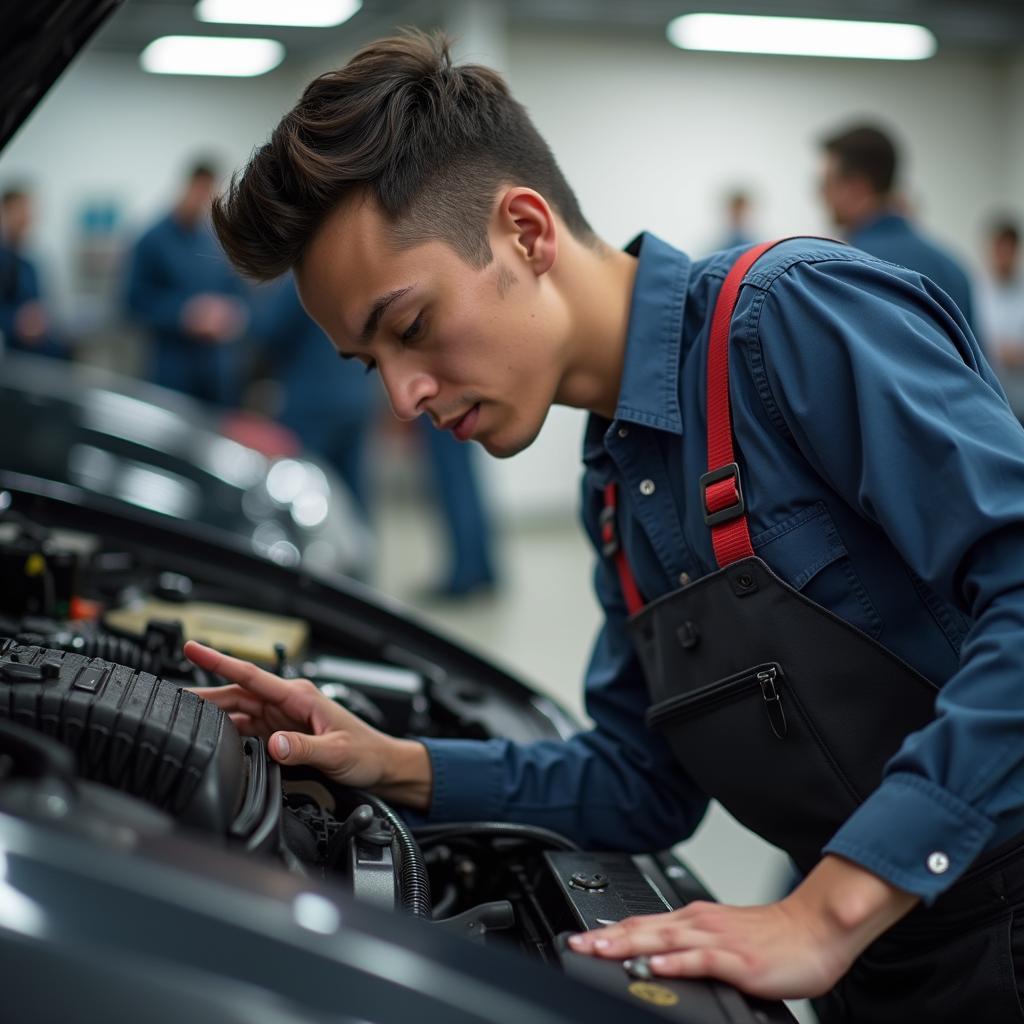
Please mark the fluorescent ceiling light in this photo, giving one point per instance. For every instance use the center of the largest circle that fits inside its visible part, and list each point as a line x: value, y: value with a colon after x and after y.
x: 311, y: 13
x: 805, y: 37
x: 211, y: 55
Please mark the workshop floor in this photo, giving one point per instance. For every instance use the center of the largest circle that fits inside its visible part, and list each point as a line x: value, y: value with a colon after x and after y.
x: 540, y: 625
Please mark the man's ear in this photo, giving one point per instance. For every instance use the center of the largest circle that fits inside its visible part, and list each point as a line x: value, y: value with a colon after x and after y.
x: 526, y: 216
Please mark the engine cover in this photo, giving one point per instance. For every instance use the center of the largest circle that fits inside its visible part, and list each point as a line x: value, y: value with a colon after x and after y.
x: 130, y: 730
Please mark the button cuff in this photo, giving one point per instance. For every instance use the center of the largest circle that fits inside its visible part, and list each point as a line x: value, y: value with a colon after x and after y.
x: 914, y: 834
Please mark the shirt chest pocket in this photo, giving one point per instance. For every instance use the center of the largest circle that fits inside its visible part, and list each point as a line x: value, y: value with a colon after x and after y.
x: 807, y: 552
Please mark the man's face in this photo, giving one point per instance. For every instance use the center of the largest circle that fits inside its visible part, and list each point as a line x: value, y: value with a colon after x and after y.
x: 477, y: 350
x: 16, y: 219
x: 1004, y: 254
x: 197, y: 199
x: 839, y: 192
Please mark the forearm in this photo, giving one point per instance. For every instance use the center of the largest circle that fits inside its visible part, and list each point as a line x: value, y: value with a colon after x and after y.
x: 851, y: 905
x: 407, y: 777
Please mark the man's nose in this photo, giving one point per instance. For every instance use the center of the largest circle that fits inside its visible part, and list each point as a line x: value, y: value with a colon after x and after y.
x: 408, y: 392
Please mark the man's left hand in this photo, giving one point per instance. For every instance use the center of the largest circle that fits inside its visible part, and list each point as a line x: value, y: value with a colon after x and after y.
x: 795, y: 948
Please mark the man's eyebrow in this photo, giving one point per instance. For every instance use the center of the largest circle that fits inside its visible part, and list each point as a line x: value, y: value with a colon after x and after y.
x: 377, y: 310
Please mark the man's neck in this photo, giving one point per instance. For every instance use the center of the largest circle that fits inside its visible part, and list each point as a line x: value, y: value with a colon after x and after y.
x: 868, y: 212
x: 598, y: 285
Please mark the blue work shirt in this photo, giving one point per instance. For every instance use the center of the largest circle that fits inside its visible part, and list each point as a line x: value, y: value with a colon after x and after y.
x: 884, y: 478
x: 893, y: 238
x: 171, y: 264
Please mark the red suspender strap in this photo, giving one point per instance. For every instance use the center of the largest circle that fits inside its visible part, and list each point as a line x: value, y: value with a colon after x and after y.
x: 720, y: 488
x: 721, y: 492
x: 611, y: 548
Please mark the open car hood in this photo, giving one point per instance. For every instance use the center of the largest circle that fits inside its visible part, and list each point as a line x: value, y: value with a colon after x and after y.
x: 38, y: 41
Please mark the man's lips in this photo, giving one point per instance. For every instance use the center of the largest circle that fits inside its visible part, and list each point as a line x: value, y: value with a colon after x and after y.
x: 463, y: 426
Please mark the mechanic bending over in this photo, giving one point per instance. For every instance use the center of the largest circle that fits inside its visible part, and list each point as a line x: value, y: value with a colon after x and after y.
x: 435, y: 240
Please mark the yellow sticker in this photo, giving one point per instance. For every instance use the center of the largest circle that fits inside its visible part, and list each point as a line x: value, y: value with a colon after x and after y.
x: 35, y: 565
x: 651, y: 993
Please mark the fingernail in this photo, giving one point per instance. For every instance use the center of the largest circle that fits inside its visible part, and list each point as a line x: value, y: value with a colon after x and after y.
x: 658, y: 961
x: 284, y: 748
x: 602, y: 943
x: 576, y: 940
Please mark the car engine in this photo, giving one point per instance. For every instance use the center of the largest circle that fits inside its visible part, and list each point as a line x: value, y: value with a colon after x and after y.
x: 96, y: 711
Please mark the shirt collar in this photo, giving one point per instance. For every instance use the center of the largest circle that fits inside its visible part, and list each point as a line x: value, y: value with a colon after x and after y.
x: 649, y: 392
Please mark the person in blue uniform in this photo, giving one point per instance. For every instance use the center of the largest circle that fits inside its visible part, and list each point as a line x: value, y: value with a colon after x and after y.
x: 858, y: 181
x: 183, y: 291
x: 24, y: 321
x: 805, y: 491
x: 329, y: 404
x: 737, y: 232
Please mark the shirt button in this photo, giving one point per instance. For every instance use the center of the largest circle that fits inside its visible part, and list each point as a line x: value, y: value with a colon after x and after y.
x: 938, y: 863
x: 684, y: 579
x: 646, y: 488
x: 623, y: 431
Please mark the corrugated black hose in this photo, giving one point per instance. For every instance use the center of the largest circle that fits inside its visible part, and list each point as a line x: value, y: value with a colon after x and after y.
x: 413, y: 880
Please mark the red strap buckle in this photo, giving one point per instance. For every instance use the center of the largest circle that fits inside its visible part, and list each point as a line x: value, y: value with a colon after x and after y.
x: 722, y: 495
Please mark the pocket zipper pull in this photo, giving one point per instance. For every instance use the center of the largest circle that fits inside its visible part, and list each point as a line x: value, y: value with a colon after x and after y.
x: 772, y: 701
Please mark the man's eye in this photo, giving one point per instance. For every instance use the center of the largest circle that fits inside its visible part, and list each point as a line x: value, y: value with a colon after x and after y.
x: 413, y: 329
x: 371, y: 365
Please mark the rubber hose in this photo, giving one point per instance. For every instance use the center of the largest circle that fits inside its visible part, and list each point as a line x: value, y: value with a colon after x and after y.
x: 496, y: 830
x: 413, y: 880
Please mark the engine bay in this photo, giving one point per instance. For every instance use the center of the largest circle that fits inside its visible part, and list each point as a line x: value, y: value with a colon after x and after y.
x: 95, y: 700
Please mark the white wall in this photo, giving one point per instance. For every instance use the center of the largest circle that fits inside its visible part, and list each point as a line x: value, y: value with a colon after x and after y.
x: 650, y: 136
x: 109, y: 130
x: 1013, y: 115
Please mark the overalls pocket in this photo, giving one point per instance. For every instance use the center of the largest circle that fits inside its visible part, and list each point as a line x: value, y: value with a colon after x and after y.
x: 748, y: 740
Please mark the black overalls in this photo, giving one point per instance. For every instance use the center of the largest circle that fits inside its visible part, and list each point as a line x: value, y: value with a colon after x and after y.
x: 787, y: 714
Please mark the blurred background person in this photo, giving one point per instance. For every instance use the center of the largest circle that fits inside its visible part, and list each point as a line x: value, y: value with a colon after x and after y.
x: 24, y: 322
x: 1001, y: 295
x: 858, y: 182
x: 329, y: 403
x: 181, y: 288
x: 1001, y: 307
x: 738, y: 231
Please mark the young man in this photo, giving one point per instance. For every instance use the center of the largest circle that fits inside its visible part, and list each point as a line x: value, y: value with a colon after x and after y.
x: 435, y: 240
x: 859, y: 178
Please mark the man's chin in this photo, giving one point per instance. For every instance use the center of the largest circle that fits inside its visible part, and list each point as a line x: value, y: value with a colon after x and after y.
x: 504, y: 446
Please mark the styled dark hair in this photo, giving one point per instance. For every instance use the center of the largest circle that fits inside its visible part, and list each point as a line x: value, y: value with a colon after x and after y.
x: 867, y: 151
x: 430, y: 142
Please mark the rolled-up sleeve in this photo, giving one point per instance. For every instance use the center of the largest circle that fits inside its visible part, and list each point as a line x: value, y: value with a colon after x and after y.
x: 881, y: 387
x: 615, y: 786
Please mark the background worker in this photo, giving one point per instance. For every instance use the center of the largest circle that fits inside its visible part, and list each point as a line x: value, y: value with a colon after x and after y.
x: 182, y: 290
x: 859, y: 179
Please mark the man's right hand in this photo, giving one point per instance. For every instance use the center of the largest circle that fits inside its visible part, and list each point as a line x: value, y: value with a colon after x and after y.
x: 302, y: 726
